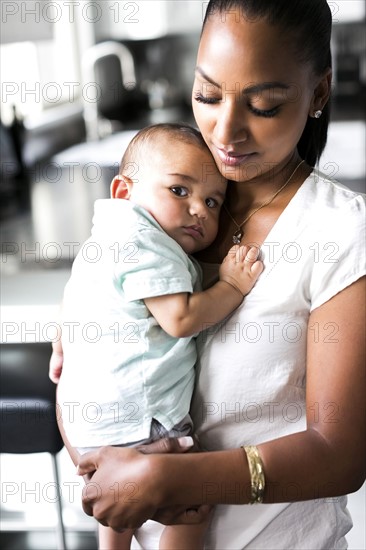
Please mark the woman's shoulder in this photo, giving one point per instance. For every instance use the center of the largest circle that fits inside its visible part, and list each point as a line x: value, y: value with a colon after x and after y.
x: 338, y: 228
x: 331, y: 203
x: 330, y: 191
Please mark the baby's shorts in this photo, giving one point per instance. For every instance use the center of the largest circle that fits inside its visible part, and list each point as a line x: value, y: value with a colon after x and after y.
x: 157, y: 431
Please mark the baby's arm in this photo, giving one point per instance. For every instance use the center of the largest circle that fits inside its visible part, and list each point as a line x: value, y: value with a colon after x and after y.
x: 182, y: 315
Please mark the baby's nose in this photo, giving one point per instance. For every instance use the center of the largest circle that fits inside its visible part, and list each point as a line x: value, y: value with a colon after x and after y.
x: 197, y: 208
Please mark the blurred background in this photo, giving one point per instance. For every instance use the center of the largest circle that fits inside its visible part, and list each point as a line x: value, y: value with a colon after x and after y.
x: 78, y: 79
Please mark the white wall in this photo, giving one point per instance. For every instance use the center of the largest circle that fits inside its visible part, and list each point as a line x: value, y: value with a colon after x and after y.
x: 144, y: 19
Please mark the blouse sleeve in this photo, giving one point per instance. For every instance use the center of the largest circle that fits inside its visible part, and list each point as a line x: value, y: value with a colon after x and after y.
x: 339, y: 254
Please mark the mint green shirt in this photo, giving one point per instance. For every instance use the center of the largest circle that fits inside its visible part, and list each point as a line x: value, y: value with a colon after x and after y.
x: 121, y: 369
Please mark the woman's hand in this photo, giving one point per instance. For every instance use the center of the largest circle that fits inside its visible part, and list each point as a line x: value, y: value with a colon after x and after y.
x: 170, y: 445
x: 126, y: 486
x: 177, y: 515
x: 121, y: 492
x: 57, y: 359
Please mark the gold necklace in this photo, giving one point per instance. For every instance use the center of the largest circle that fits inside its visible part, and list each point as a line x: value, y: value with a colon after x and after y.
x: 238, y: 235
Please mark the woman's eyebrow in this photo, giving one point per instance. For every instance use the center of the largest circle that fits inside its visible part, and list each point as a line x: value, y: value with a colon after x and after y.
x: 256, y: 88
x: 206, y: 77
x: 248, y: 90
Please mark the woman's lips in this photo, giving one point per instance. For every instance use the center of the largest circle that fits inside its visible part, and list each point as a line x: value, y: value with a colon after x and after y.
x: 233, y: 159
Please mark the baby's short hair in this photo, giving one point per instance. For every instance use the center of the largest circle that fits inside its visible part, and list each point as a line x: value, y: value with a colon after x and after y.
x: 180, y: 131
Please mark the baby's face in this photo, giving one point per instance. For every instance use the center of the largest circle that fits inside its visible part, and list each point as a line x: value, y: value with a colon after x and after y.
x: 181, y: 187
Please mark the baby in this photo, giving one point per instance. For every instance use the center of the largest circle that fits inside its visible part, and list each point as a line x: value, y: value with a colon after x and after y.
x: 134, y: 303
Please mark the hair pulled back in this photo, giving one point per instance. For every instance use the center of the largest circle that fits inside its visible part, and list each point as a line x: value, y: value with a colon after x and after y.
x: 309, y: 24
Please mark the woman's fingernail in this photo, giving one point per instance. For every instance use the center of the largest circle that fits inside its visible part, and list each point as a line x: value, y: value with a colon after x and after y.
x: 185, y: 442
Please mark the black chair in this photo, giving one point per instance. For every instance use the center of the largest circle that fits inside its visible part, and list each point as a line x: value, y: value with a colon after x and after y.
x: 28, y: 414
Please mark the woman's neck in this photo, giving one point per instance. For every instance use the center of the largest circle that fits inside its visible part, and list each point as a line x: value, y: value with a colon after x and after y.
x: 246, y: 198
x: 243, y: 197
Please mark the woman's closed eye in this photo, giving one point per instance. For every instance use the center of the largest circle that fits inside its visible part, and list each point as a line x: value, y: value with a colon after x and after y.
x: 179, y: 190
x: 267, y: 113
x: 206, y: 100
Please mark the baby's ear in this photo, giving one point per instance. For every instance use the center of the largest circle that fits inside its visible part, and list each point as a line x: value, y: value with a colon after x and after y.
x: 121, y: 187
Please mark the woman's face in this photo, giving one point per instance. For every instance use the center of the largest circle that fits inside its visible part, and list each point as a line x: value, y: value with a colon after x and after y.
x: 251, y: 98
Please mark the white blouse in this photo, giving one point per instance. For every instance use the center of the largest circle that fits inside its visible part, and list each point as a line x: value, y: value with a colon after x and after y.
x: 250, y: 382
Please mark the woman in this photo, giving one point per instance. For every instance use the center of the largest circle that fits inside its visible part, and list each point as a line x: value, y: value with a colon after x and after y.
x: 284, y: 376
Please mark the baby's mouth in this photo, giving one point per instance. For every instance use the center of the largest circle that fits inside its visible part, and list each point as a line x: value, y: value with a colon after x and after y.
x: 194, y: 230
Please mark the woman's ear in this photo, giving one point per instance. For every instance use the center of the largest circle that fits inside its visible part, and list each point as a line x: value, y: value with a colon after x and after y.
x: 321, y: 93
x: 121, y: 187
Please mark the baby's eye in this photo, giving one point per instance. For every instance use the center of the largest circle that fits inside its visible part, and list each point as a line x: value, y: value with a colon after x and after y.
x: 211, y: 203
x: 179, y: 191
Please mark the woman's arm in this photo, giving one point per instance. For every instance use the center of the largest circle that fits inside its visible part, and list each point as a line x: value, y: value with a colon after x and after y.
x: 326, y: 460
x: 74, y: 454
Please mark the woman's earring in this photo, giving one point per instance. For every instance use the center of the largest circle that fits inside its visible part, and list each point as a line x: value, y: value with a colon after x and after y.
x: 318, y: 114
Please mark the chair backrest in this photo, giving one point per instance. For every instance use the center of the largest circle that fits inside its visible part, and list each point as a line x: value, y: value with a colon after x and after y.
x: 27, y: 400
x: 24, y: 370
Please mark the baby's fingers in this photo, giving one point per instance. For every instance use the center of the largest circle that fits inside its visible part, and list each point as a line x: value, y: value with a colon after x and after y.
x: 246, y: 253
x: 232, y: 252
x: 252, y: 253
x: 256, y: 269
x: 241, y: 253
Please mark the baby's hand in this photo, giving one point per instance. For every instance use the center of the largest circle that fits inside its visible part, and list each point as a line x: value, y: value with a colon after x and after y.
x: 241, y: 268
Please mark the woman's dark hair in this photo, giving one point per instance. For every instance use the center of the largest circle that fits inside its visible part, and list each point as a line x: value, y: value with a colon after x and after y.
x: 309, y: 22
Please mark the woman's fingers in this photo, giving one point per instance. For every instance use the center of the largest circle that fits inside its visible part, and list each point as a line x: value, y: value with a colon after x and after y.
x: 122, y: 492
x: 190, y: 516
x: 168, y: 445
x: 90, y: 496
x: 88, y: 463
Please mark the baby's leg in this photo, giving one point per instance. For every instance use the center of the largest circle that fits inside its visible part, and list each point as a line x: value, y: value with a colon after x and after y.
x: 111, y: 540
x: 183, y: 537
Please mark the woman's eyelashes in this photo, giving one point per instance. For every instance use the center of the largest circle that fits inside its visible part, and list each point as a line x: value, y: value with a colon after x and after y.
x: 267, y: 113
x: 206, y: 100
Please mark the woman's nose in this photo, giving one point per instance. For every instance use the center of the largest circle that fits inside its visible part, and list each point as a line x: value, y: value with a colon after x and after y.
x: 231, y: 124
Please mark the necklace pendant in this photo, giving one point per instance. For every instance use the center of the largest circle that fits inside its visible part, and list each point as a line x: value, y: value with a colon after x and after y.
x: 237, y: 236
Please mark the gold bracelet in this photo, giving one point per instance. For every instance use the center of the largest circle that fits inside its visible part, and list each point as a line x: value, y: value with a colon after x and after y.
x: 257, y: 479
